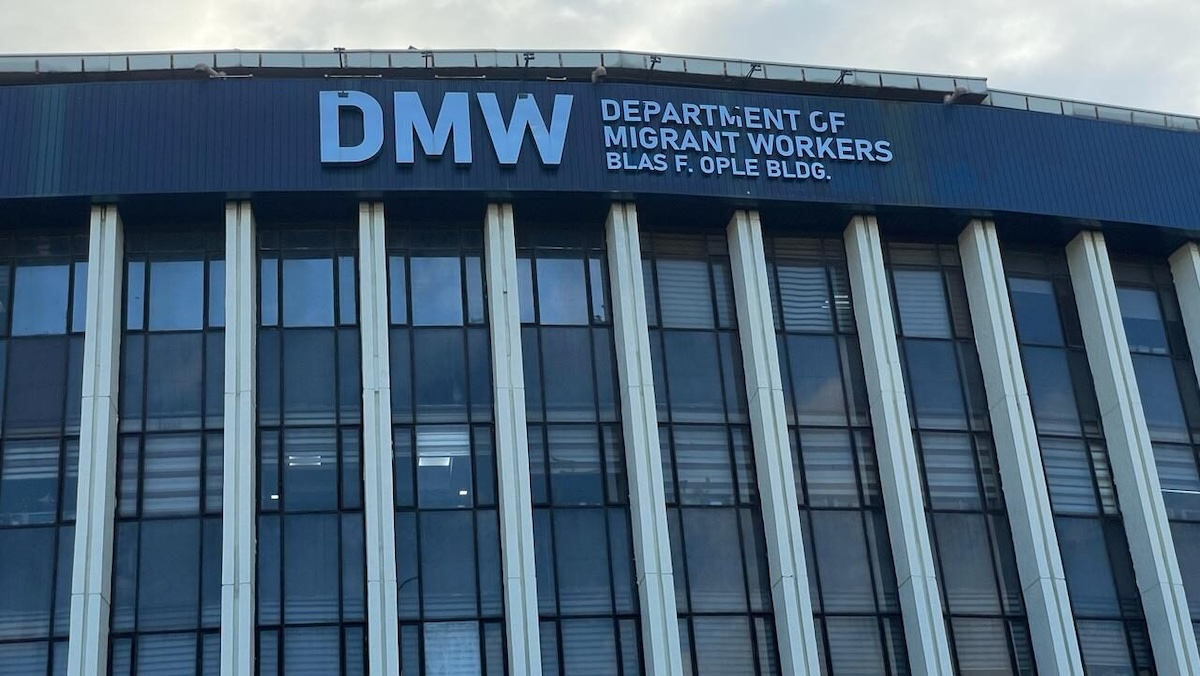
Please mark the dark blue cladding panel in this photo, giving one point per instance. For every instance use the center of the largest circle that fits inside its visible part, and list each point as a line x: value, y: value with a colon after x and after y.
x: 258, y: 135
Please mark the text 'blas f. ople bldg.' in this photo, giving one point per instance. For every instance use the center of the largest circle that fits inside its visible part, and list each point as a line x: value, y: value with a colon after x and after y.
x: 454, y: 363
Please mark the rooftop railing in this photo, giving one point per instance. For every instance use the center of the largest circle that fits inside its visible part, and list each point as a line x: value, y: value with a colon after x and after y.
x: 540, y: 63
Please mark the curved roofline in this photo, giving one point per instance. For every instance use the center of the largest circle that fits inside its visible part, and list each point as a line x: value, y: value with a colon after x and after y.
x: 562, y: 65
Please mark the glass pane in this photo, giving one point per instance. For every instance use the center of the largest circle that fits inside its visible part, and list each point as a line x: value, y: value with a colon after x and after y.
x: 1142, y: 318
x: 950, y: 471
x: 589, y: 648
x: 936, y: 390
x: 308, y: 292
x: 436, y: 291
x: 693, y: 376
x: 176, y: 295
x: 444, y: 466
x: 684, y: 293
x: 854, y: 646
x: 715, y: 576
x: 1035, y: 311
x: 843, y: 563
x: 1052, y: 391
x: 981, y: 646
x: 171, y: 475
x: 965, y: 555
x: 562, y: 291
x: 311, y: 651
x: 26, y: 582
x: 816, y: 380
x: 723, y: 646
x: 397, y: 290
x: 452, y: 649
x: 448, y: 572
x: 40, y: 300
x: 804, y: 297
x: 582, y: 562
x: 311, y: 569
x: 1086, y: 564
x: 921, y: 298
x: 702, y: 462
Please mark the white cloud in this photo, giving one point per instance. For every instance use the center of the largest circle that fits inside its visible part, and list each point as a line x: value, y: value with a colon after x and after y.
x: 1129, y: 52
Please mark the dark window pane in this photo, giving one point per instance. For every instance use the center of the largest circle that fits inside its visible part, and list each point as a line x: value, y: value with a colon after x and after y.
x: 716, y: 577
x: 135, y: 294
x: 310, y: 469
x: 436, y: 291
x: 311, y: 651
x: 1069, y: 476
x: 816, y: 380
x: 36, y: 369
x: 1104, y: 648
x: 311, y: 569
x: 441, y: 380
x: 174, y: 380
x: 308, y: 292
x: 26, y: 582
x: 397, y: 290
x: 1156, y: 381
x: 575, y: 476
x: 693, y: 376
x: 842, y: 562
x: 562, y: 291
x: 1085, y: 562
x: 309, y: 388
x: 828, y: 465
x: 570, y: 392
x: 581, y: 562
x: 950, y: 471
x: 176, y: 295
x: 1035, y: 311
x: 40, y: 300
x: 1052, y: 391
x: 448, y: 574
x: 1143, y: 321
x: 936, y: 389
x: 965, y: 555
x: 169, y: 575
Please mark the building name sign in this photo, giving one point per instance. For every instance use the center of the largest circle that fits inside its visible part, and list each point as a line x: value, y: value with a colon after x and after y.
x: 636, y: 135
x: 751, y: 141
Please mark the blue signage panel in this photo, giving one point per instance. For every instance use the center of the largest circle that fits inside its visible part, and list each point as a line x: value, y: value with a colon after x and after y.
x: 376, y: 135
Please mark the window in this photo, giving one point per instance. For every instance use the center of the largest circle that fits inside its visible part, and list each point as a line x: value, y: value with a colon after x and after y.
x: 587, y: 597
x: 311, y: 570
x: 1166, y: 379
x: 973, y: 550
x: 447, y: 521
x: 166, y: 612
x: 722, y: 584
x: 851, y: 576
x: 43, y: 280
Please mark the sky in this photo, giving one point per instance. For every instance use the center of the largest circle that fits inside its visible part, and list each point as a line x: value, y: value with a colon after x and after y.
x: 1139, y: 53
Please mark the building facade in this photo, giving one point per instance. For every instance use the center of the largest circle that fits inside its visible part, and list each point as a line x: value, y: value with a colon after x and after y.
x: 584, y: 364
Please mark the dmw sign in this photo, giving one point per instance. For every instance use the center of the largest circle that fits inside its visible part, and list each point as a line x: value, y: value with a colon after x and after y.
x: 452, y: 126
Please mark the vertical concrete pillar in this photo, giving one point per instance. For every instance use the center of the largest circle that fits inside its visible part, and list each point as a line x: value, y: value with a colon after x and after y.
x: 643, y: 456
x: 772, y: 451
x: 899, y: 476
x: 512, y: 444
x: 239, y: 502
x: 1039, y: 562
x: 383, y: 642
x: 1150, y: 543
x: 91, y: 581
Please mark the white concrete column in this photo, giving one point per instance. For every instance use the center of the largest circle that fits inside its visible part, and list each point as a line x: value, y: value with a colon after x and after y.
x: 91, y: 581
x: 512, y: 444
x: 772, y: 450
x: 1132, y: 458
x: 383, y: 643
x: 899, y: 474
x: 1039, y: 562
x: 239, y: 504
x: 643, y: 456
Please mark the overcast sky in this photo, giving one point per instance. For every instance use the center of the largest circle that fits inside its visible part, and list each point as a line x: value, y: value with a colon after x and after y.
x: 1142, y: 53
